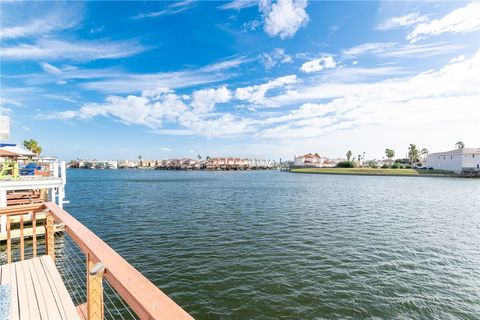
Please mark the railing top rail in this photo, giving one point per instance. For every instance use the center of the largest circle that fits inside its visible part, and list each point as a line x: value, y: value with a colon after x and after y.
x: 141, y: 295
x: 15, y: 210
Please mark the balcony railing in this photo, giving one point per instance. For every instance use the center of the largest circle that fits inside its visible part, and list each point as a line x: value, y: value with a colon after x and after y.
x: 101, y: 265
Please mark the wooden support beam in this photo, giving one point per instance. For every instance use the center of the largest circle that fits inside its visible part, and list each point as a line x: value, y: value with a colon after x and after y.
x: 50, y: 236
x: 9, y: 242
x: 34, y: 233
x: 22, y: 241
x: 94, y: 289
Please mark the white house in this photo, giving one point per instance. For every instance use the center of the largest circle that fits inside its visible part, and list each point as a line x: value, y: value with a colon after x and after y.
x: 458, y: 160
x: 309, y: 160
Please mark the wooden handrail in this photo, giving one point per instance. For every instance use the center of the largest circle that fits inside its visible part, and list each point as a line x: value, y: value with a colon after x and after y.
x: 146, y: 300
x: 15, y: 210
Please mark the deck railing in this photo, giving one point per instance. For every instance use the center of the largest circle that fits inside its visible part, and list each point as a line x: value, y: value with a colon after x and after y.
x: 103, y: 264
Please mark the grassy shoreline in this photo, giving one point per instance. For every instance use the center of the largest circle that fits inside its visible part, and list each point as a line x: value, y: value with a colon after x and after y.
x: 377, y: 172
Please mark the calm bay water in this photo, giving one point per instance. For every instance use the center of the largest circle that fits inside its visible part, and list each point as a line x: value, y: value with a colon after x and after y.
x: 276, y: 245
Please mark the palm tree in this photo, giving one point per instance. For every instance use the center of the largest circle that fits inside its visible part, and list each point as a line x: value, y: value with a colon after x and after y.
x: 33, y: 146
x: 412, y: 153
x: 199, y: 157
x: 389, y: 153
x: 349, y: 155
x: 424, y: 152
x: 460, y: 145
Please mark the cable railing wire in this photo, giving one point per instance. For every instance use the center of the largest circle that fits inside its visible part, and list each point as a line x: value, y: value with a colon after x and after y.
x: 70, y: 261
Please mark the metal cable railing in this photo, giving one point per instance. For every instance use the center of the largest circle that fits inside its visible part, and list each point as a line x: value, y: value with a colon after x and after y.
x: 70, y: 262
x: 98, y: 280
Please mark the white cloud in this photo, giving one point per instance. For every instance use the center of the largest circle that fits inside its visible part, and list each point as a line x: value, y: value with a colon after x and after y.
x: 48, y: 68
x: 318, y: 64
x: 204, y: 100
x: 369, y: 47
x: 404, y: 51
x: 173, y: 8
x: 166, y: 149
x: 402, y: 21
x: 276, y: 57
x: 132, y: 83
x: 430, y: 97
x: 426, y: 104
x: 73, y: 50
x: 17, y: 21
x: 224, y: 65
x: 283, y: 18
x: 238, y: 4
x: 256, y: 94
x: 462, y: 20
x: 152, y: 109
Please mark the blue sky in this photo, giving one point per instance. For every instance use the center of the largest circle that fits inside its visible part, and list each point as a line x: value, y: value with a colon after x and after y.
x: 111, y: 80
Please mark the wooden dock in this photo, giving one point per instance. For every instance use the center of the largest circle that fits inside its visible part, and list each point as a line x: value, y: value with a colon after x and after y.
x: 37, y: 290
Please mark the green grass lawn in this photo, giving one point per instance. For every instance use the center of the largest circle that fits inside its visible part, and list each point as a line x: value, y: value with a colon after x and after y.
x: 372, y: 171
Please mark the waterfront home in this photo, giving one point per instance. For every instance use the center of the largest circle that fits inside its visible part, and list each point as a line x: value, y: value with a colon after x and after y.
x: 310, y: 160
x: 327, y: 163
x: 462, y: 160
x: 127, y: 164
x: 148, y: 163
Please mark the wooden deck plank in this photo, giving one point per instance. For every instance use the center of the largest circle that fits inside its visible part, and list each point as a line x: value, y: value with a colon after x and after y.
x: 82, y: 311
x: 37, y: 290
x: 31, y: 296
x: 28, y: 307
x: 63, y: 298
x: 9, y: 277
x: 48, y: 299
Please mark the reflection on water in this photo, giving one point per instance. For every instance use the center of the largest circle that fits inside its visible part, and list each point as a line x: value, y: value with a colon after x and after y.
x: 271, y: 245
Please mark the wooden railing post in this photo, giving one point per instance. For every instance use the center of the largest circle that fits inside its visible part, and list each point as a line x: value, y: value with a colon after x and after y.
x: 50, y: 236
x: 94, y: 290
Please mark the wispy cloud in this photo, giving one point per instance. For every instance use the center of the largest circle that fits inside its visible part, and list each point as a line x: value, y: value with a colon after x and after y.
x: 462, y: 20
x: 48, y: 68
x: 402, y: 21
x: 397, y: 50
x: 49, y: 49
x: 17, y: 24
x: 369, y: 47
x: 132, y: 83
x: 238, y: 4
x: 173, y: 8
x: 226, y: 64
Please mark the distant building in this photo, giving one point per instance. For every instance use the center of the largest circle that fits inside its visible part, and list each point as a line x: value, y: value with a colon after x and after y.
x: 127, y: 164
x: 458, y: 160
x: 148, y: 163
x: 309, y: 160
x: 15, y: 151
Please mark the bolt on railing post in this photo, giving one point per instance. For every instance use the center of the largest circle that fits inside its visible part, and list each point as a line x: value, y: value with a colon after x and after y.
x: 94, y: 289
x: 50, y: 236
